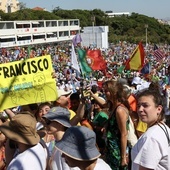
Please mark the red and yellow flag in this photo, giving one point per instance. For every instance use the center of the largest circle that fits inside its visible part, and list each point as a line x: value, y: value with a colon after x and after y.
x: 136, y: 61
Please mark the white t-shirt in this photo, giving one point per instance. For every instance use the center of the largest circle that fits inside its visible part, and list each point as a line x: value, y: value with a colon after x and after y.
x: 152, y: 150
x: 39, y: 125
x: 101, y: 165
x: 57, y: 162
x: 34, y: 158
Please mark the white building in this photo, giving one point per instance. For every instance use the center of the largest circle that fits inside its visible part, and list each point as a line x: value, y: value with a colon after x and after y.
x: 9, y: 6
x: 96, y: 36
x: 20, y: 33
x: 24, y: 33
x: 113, y: 14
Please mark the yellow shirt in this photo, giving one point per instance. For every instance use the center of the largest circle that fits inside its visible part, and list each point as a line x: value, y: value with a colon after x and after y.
x: 72, y: 114
x: 141, y: 127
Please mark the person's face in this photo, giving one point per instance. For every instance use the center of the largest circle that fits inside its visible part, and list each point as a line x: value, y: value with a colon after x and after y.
x: 74, y: 104
x: 147, y: 110
x: 51, y: 126
x: 70, y: 161
x: 106, y: 92
x: 12, y: 144
x: 43, y: 110
x: 96, y: 106
x: 63, y: 101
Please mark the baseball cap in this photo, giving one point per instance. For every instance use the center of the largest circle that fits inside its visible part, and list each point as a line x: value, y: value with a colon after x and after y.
x: 136, y: 80
x: 62, y: 92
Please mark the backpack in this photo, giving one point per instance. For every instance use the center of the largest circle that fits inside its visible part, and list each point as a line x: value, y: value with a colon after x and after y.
x: 132, y: 137
x: 133, y: 112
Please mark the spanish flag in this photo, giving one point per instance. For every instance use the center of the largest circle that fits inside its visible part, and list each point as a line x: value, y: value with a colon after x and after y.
x: 136, y: 61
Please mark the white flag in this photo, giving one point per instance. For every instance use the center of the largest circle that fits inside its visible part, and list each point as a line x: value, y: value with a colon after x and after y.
x: 74, y: 62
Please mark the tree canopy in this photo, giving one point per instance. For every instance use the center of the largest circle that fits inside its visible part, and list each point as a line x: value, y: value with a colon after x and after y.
x: 28, y: 14
x: 128, y: 28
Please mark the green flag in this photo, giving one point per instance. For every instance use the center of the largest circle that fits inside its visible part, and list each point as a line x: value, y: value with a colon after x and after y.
x: 85, y: 68
x: 120, y: 69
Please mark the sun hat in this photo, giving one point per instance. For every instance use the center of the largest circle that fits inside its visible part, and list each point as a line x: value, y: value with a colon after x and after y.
x: 136, y: 80
x: 60, y: 115
x: 62, y: 92
x: 21, y: 128
x: 79, y: 142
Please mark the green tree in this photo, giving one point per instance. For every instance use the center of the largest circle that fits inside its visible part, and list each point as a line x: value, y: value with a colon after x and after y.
x: 129, y: 28
x: 29, y: 14
x: 22, y: 6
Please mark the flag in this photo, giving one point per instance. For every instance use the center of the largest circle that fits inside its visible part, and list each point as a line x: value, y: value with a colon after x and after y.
x: 29, y: 51
x: 146, y: 68
x: 158, y: 54
x: 85, y: 68
x: 136, y: 61
x: 168, y: 60
x: 96, y: 60
x: 77, y: 39
x: 120, y: 69
x: 74, y: 62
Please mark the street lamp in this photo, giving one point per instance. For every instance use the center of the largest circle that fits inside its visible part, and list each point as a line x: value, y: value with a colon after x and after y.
x: 93, y: 21
x: 146, y: 29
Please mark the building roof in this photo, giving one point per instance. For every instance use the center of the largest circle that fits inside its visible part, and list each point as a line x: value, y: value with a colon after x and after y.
x: 38, y: 8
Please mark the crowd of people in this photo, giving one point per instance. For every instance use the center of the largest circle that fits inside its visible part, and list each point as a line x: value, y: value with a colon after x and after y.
x: 110, y: 120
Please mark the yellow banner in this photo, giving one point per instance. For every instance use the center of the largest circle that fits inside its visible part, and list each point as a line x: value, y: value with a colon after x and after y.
x: 26, y: 81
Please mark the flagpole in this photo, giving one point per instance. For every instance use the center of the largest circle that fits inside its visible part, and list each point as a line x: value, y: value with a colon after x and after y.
x: 93, y: 20
x: 146, y: 28
x: 80, y: 66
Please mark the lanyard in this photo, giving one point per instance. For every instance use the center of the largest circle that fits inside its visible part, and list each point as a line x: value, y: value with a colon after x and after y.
x: 165, y: 131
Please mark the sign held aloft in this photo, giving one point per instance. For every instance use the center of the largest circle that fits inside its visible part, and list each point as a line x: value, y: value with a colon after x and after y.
x: 27, y: 81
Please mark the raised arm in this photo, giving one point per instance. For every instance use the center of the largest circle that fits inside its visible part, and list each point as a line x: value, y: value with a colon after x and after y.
x: 10, y: 113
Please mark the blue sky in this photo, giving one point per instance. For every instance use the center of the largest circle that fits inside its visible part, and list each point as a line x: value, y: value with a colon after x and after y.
x: 153, y: 8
